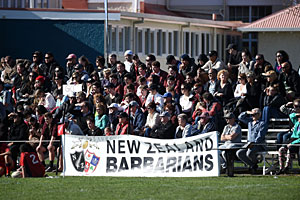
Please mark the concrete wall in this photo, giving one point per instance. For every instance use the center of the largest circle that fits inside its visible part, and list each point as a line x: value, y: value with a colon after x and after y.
x: 270, y: 42
x: 62, y: 37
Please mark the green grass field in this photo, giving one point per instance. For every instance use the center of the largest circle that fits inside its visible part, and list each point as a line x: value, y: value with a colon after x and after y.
x: 239, y: 187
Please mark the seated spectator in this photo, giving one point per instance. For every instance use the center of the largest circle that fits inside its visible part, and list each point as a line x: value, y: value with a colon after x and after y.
x: 143, y: 96
x: 281, y: 57
x: 122, y: 127
x: 202, y: 60
x: 108, y: 131
x: 111, y: 95
x: 272, y: 80
x: 152, y: 119
x: 247, y: 63
x: 253, y: 92
x: 72, y: 128
x: 187, y: 65
x: 204, y: 125
x: 291, y: 81
x: 137, y: 118
x: 186, y: 100
x: 271, y: 104
x: 286, y: 151
x: 257, y: 130
x: 283, y: 137
x: 184, y: 129
x: 210, y: 86
x: 259, y: 66
x: 93, y: 129
x: 113, y: 113
x: 83, y: 115
x: 231, y: 136
x: 155, y: 97
x: 156, y: 70
x: 101, y: 118
x: 166, y: 129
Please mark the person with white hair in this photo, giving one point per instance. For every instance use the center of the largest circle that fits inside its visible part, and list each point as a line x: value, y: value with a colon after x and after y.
x: 257, y: 130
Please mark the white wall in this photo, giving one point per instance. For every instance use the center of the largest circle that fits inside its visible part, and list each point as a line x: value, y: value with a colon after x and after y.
x: 270, y: 42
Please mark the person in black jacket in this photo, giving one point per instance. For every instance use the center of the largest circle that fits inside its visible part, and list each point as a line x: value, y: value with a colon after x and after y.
x: 138, y: 118
x: 166, y: 129
x: 291, y: 81
x: 18, y: 131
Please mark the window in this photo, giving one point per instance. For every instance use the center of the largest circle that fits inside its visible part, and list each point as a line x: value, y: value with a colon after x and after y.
x: 203, y: 43
x: 175, y: 43
x: 113, y: 39
x: 164, y: 42
x: 170, y: 42
x: 147, y: 41
x: 159, y: 42
x: 152, y: 42
x: 187, y: 43
x: 207, y: 43
x: 197, y: 50
x: 193, y: 44
x: 121, y: 40
x: 140, y: 41
x: 127, y: 38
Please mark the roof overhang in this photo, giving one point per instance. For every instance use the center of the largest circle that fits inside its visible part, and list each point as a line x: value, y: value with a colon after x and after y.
x: 56, y: 14
x: 268, y: 29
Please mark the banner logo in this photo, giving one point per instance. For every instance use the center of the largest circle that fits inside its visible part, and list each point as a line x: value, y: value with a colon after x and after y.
x: 91, y: 162
x: 78, y: 161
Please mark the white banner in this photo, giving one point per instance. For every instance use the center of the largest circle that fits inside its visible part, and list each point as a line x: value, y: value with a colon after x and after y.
x: 128, y: 155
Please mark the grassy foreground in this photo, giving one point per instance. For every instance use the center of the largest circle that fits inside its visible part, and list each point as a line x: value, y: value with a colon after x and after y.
x: 240, y: 187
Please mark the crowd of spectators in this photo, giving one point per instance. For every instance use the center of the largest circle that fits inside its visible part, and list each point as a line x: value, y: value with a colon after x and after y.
x: 138, y: 98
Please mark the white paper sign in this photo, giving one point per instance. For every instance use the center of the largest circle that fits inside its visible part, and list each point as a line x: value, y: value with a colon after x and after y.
x: 70, y: 89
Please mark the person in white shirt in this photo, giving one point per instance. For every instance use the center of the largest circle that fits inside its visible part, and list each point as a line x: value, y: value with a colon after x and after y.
x: 241, y: 89
x: 214, y: 62
x: 185, y: 100
x: 155, y: 97
x: 128, y: 60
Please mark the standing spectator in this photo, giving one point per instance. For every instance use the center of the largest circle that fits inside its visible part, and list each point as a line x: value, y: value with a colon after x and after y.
x: 17, y: 131
x: 184, y: 129
x: 257, y: 130
x: 234, y: 59
x: 112, y: 63
x: 71, y: 62
x: 214, y: 62
x: 49, y: 132
x: 291, y: 81
x: 224, y: 90
x: 128, y: 61
x: 281, y: 57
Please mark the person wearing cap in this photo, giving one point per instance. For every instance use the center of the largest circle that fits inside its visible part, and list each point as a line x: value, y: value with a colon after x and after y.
x: 166, y: 129
x: 171, y: 61
x: 156, y: 70
x: 271, y: 80
x: 71, y: 62
x: 128, y: 60
x: 155, y: 97
x: 187, y: 65
x: 184, y: 129
x: 257, y: 130
x: 291, y: 81
x: 122, y: 127
x: 137, y: 116
x: 231, y: 136
x: 214, y: 62
x: 168, y: 100
x: 204, y: 125
x: 83, y: 74
x: 286, y: 151
x: 113, y: 113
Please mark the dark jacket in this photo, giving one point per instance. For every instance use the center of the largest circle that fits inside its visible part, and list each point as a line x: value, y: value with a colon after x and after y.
x: 292, y: 80
x: 18, y: 131
x: 138, y: 121
x: 164, y: 131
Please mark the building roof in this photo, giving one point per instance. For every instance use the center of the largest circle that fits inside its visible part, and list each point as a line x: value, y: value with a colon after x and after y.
x: 284, y: 20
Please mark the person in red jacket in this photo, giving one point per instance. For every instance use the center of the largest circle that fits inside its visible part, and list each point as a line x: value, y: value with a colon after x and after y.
x: 122, y: 126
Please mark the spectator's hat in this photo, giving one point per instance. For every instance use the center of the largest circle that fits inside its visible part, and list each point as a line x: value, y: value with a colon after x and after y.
x: 133, y: 103
x: 212, y: 53
x: 169, y: 59
x: 41, y: 79
x: 204, y: 115
x: 153, y: 87
x: 167, y: 94
x: 270, y: 73
x: 165, y: 114
x: 123, y: 115
x: 78, y: 66
x: 113, y: 105
x: 128, y: 52
x: 71, y: 56
x: 255, y: 111
x: 231, y: 46
x: 229, y: 115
